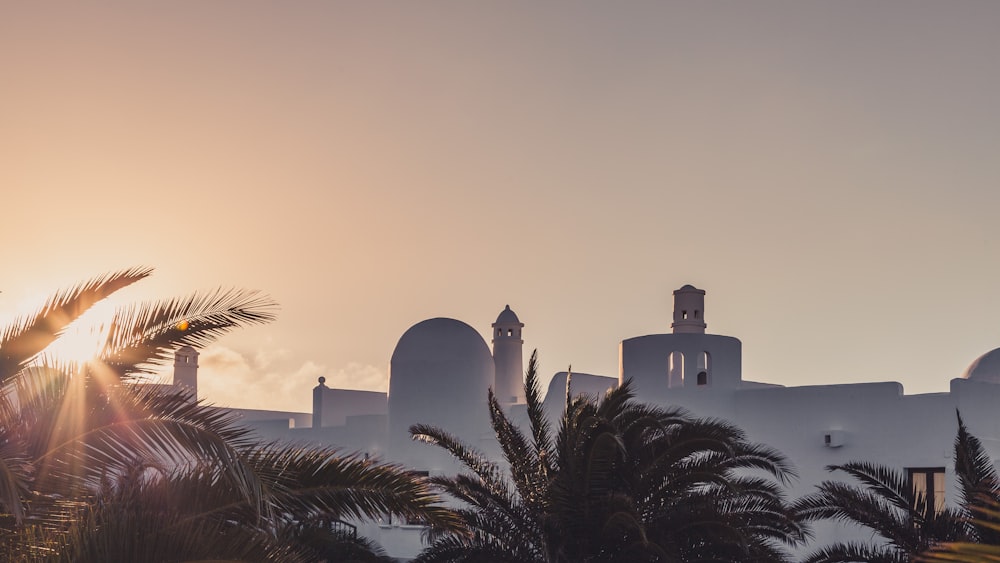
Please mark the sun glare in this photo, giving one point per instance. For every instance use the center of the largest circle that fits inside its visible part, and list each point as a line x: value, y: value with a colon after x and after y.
x: 79, y: 346
x: 83, y: 339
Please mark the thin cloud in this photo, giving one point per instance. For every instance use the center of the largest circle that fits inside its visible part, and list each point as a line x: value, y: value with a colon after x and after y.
x: 268, y: 379
x: 355, y: 375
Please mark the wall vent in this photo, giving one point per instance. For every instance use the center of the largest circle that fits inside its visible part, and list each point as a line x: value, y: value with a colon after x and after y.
x: 833, y: 438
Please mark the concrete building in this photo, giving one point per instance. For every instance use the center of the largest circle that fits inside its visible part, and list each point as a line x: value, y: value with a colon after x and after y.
x: 441, y: 369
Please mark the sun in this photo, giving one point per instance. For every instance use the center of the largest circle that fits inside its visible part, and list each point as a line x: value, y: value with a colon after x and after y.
x: 84, y: 339
x: 76, y: 348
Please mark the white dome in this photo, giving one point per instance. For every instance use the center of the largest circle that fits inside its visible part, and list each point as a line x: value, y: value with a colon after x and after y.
x: 440, y: 373
x: 507, y: 317
x: 986, y: 368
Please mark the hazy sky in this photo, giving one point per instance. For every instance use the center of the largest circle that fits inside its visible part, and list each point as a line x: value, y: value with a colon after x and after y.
x: 827, y: 171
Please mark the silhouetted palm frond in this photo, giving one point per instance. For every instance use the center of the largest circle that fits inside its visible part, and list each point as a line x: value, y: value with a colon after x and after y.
x: 857, y: 552
x: 619, y: 482
x: 145, y: 335
x: 305, y: 483
x: 978, y: 485
x: 908, y: 527
x: 541, y: 429
x: 27, y: 337
x: 97, y: 467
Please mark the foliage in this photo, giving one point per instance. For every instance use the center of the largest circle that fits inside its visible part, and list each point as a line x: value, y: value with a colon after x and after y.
x: 908, y: 526
x: 618, y: 481
x: 987, y: 515
x: 97, y: 466
x: 980, y: 497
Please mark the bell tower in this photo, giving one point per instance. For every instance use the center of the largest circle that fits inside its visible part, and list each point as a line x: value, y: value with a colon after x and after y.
x: 508, y: 358
x: 689, y: 310
x: 186, y: 369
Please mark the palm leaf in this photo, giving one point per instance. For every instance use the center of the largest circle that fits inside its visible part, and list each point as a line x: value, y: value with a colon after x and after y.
x: 26, y: 337
x: 978, y: 484
x: 541, y: 429
x: 146, y: 335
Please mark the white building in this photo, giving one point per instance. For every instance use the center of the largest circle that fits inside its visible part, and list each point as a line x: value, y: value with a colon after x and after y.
x: 441, y: 369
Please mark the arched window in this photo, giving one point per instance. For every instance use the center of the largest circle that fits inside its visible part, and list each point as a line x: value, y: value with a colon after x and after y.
x: 675, y: 369
x: 705, y: 361
x: 704, y: 367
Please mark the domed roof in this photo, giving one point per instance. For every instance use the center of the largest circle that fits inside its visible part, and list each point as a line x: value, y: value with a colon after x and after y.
x: 507, y: 317
x: 438, y: 339
x: 986, y: 368
x: 440, y: 374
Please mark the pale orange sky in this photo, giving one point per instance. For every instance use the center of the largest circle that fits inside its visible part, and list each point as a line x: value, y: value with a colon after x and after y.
x: 827, y: 171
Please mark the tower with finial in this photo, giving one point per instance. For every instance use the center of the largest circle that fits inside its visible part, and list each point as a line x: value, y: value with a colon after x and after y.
x: 508, y: 358
x: 689, y: 310
x: 318, y: 395
x: 688, y: 358
x: 186, y: 369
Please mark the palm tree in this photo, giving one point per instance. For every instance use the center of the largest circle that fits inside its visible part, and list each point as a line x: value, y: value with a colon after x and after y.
x: 968, y: 551
x: 96, y: 466
x: 980, y: 500
x: 885, y: 503
x: 909, y: 526
x: 979, y: 488
x: 619, y: 481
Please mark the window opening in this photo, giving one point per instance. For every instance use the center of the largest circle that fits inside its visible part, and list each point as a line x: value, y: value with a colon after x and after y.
x: 702, y: 378
x: 928, y: 486
x: 421, y: 475
x: 704, y: 361
x: 675, y: 369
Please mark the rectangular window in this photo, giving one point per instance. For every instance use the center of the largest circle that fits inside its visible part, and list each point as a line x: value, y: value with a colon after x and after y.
x: 387, y: 520
x: 928, y: 487
x: 418, y: 521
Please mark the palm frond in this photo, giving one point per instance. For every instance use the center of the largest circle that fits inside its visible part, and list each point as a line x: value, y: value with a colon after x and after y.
x: 541, y: 429
x: 618, y: 482
x: 856, y: 552
x: 306, y: 482
x: 890, y: 484
x: 962, y: 552
x: 978, y: 484
x: 146, y: 335
x: 28, y: 336
x: 482, y: 466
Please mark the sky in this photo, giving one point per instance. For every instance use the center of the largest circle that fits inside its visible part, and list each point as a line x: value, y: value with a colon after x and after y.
x: 826, y: 171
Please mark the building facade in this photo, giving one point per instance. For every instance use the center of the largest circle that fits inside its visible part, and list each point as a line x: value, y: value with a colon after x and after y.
x: 441, y: 370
